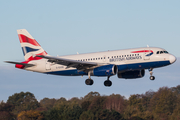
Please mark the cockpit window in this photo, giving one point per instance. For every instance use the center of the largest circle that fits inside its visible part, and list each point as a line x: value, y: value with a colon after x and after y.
x: 161, y: 52
x: 165, y: 51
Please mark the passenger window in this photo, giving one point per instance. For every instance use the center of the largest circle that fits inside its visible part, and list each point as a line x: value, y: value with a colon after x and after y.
x: 114, y: 56
x: 93, y: 58
x: 104, y: 57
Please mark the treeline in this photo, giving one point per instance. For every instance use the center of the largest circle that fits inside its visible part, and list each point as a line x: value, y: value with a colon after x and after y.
x: 163, y: 104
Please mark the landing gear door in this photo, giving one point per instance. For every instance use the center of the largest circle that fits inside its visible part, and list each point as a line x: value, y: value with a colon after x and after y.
x: 147, y: 54
x: 48, y: 65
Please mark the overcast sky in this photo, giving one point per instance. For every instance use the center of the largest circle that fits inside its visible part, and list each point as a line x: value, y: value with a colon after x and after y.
x: 68, y: 27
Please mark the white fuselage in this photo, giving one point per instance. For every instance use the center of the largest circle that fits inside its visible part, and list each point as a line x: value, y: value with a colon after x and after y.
x: 128, y: 59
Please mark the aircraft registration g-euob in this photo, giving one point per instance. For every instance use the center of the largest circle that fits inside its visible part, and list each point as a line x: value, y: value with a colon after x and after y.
x: 127, y: 64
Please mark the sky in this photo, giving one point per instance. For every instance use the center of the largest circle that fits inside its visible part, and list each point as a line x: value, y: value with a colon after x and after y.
x: 68, y: 27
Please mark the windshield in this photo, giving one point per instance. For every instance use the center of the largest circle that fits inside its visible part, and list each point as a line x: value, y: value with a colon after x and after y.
x: 161, y: 52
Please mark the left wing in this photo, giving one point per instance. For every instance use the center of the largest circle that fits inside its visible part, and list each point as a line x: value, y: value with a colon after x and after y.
x: 80, y: 65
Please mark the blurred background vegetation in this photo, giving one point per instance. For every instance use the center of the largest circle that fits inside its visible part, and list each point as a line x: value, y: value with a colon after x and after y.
x: 163, y: 104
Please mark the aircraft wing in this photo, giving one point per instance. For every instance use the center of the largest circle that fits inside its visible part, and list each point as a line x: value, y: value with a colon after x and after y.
x: 80, y: 65
x: 19, y: 63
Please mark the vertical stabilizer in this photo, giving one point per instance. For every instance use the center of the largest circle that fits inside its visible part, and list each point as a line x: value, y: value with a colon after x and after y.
x: 30, y: 46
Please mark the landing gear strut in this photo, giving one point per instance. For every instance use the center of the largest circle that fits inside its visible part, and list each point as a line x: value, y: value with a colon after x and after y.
x: 89, y: 81
x: 108, y: 83
x: 151, y: 77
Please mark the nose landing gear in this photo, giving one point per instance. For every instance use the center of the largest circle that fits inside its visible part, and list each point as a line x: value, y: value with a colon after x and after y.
x: 151, y: 77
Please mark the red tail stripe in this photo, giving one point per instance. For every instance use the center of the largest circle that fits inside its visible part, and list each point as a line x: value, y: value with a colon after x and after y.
x: 36, y: 58
x: 24, y: 39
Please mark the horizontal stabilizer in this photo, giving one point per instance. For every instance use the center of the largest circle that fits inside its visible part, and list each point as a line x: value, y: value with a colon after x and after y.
x: 19, y: 63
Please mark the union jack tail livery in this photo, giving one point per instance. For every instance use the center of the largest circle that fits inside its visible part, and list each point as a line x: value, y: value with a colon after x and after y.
x: 30, y: 46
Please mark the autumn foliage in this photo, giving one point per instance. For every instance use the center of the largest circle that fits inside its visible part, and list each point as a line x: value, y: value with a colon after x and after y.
x: 163, y: 104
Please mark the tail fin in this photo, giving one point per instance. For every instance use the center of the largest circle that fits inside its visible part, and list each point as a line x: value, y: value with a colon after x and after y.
x: 30, y: 46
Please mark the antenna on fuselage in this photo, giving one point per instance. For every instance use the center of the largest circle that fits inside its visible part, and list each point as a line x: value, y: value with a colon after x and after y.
x: 147, y: 45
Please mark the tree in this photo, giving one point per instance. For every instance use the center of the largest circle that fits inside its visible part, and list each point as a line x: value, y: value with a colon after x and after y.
x: 47, y: 103
x: 163, y: 103
x: 87, y: 115
x: 115, y: 102
x: 23, y: 102
x: 6, y: 111
x: 97, y: 104
x: 90, y: 96
x: 29, y: 115
x: 85, y: 105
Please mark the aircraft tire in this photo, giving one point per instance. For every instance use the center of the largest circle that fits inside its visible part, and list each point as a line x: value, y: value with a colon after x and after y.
x: 152, y: 78
x: 107, y: 83
x: 89, y: 82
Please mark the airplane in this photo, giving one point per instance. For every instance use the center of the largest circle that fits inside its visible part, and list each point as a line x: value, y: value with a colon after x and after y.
x: 126, y: 64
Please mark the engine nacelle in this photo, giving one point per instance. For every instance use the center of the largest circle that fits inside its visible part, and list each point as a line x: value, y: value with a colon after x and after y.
x: 106, y: 70
x: 132, y: 74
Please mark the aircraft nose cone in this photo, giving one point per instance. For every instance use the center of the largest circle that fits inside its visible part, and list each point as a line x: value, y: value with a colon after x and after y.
x: 172, y: 59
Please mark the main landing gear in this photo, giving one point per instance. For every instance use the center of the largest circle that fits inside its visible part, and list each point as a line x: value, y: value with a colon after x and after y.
x: 151, y: 77
x: 108, y: 83
x: 89, y: 81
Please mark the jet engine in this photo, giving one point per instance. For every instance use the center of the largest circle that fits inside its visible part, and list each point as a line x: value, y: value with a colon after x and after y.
x: 106, y: 70
x: 132, y: 74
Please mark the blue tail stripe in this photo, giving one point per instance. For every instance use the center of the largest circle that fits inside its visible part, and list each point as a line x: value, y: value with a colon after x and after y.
x: 28, y: 49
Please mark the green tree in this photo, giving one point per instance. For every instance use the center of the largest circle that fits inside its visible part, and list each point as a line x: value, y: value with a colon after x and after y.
x: 163, y: 103
x: 115, y: 102
x: 97, y: 104
x: 85, y: 105
x: 90, y: 96
x: 87, y: 115
x: 47, y: 103
x: 23, y: 101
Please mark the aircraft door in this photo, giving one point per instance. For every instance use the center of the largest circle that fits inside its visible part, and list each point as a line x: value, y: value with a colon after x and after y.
x: 146, y: 55
x: 48, y: 65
